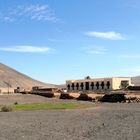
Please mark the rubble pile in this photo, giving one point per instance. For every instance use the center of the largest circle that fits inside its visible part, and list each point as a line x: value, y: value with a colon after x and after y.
x: 65, y: 96
x: 133, y: 100
x: 84, y: 97
x: 113, y: 98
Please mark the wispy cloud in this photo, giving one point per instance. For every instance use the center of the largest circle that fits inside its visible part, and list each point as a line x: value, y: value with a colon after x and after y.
x: 106, y: 35
x: 133, y: 70
x: 95, y: 49
x: 7, y: 18
x: 26, y: 49
x: 130, y: 56
x: 32, y: 12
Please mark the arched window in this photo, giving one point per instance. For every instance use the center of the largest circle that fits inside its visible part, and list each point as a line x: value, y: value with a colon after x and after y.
x: 108, y: 84
x: 92, y: 85
x: 72, y: 86
x: 68, y: 86
x: 87, y: 85
x: 97, y: 85
x: 82, y: 86
x: 102, y: 85
x: 77, y: 86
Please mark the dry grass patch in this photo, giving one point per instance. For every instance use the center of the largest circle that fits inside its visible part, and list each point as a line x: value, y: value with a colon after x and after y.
x: 48, y: 106
x: 6, y: 108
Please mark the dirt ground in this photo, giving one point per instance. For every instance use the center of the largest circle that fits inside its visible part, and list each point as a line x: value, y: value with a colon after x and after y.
x: 94, y: 95
x: 107, y: 121
x: 28, y: 99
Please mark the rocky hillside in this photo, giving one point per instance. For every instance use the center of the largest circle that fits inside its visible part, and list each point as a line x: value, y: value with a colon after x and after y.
x: 136, y: 80
x: 15, y: 79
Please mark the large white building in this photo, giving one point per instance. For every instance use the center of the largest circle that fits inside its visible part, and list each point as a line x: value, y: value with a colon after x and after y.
x: 88, y: 84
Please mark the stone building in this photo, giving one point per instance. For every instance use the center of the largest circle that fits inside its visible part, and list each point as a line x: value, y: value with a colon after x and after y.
x: 88, y: 84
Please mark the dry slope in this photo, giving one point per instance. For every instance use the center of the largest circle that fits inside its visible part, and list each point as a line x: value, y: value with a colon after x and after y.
x: 15, y: 78
x: 136, y: 80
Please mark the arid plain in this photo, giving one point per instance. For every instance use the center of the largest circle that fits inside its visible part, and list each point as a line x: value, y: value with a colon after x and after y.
x: 103, y: 121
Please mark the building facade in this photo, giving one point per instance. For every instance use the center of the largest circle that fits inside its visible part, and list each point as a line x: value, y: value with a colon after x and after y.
x: 88, y: 84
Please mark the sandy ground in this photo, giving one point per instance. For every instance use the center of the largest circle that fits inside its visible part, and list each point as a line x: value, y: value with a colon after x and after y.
x: 90, y: 95
x: 133, y: 95
x: 28, y: 99
x: 117, y: 121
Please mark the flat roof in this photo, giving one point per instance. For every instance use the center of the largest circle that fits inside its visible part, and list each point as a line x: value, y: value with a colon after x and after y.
x: 96, y: 79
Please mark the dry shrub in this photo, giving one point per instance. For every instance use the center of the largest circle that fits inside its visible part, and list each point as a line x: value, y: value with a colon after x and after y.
x: 15, y: 103
x: 6, y: 109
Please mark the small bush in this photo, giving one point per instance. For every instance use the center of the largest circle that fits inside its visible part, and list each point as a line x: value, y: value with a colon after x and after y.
x: 16, y: 103
x: 6, y: 109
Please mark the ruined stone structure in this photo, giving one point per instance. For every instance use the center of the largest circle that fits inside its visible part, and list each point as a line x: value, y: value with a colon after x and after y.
x: 89, y: 84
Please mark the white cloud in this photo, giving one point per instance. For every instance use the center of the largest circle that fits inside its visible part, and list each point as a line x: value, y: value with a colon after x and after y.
x: 106, y: 35
x: 32, y: 12
x: 26, y: 49
x: 95, y: 50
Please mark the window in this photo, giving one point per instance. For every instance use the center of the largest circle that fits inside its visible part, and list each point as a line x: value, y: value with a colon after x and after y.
x: 102, y: 85
x: 87, y: 85
x: 77, y: 86
x: 92, y: 85
x: 97, y: 85
x: 124, y: 84
x: 68, y: 86
x: 108, y: 84
x: 72, y: 86
x: 82, y: 86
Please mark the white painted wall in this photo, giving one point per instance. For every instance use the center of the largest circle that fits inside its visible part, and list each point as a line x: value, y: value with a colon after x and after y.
x: 117, y: 82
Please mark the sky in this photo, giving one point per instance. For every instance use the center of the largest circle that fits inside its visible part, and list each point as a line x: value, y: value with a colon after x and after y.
x: 58, y: 40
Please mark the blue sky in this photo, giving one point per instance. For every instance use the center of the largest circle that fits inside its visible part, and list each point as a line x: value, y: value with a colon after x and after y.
x: 57, y: 40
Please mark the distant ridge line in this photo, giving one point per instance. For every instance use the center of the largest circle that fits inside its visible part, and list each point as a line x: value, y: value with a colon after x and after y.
x: 18, y: 79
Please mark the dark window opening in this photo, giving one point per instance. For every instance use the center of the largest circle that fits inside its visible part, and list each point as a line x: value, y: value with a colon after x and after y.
x: 68, y: 86
x: 97, y: 85
x: 77, y: 86
x: 92, y: 85
x: 87, y: 85
x: 102, y: 85
x: 108, y: 85
x: 72, y: 86
x: 82, y: 86
x: 124, y: 84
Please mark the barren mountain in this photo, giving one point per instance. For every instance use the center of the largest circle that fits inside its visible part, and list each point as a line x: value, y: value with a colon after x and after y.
x: 136, y: 80
x: 13, y: 78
